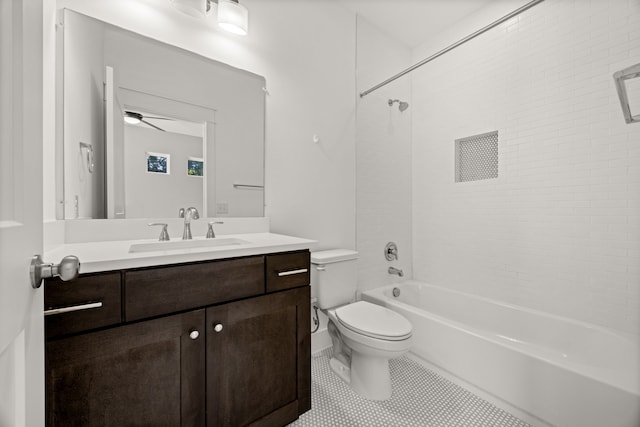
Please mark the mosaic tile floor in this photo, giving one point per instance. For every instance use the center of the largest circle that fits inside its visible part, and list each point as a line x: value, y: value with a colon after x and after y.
x: 420, y: 398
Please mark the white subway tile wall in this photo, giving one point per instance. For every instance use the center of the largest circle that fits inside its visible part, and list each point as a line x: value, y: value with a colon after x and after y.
x: 383, y: 159
x: 559, y: 229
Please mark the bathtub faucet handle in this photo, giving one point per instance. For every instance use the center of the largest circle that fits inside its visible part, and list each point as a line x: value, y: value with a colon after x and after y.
x: 391, y: 251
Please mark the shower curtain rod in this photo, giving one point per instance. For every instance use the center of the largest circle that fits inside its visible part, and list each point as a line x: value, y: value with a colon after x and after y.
x: 453, y: 46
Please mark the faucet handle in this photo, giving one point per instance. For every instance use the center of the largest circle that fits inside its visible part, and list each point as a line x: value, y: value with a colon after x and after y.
x: 391, y: 251
x: 181, y: 213
x: 210, y: 233
x: 194, y: 213
x: 164, y: 234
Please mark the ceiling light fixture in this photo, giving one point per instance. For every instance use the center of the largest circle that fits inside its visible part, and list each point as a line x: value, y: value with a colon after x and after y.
x: 231, y: 15
x: 132, y: 118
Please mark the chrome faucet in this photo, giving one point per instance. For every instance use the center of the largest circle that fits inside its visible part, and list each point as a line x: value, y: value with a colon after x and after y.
x: 188, y: 214
x: 398, y: 271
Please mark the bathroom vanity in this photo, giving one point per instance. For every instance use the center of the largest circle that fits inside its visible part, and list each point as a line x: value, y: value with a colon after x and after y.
x: 222, y: 341
x: 185, y: 332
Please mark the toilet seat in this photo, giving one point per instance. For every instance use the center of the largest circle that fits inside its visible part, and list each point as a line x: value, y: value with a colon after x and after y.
x: 374, y: 321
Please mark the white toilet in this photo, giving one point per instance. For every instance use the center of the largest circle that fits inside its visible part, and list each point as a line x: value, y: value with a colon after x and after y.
x: 364, y: 335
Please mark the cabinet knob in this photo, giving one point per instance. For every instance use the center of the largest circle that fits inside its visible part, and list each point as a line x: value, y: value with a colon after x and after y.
x: 217, y: 327
x: 194, y: 334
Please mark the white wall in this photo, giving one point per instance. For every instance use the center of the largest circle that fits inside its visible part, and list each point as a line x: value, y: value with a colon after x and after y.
x: 559, y: 230
x: 306, y: 51
x: 84, y: 117
x: 309, y: 53
x: 153, y: 194
x: 383, y: 166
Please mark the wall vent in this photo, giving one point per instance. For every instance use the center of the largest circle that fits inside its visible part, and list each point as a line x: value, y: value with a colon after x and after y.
x: 477, y: 157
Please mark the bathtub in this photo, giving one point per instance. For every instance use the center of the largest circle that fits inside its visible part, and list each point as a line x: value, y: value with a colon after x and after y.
x: 564, y: 372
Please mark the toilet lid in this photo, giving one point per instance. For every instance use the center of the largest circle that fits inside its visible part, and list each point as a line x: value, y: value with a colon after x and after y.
x: 374, y: 321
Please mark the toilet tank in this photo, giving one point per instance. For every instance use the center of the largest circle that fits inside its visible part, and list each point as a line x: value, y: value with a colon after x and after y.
x: 334, y: 276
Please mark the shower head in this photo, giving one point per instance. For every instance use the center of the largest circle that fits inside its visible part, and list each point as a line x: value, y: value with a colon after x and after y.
x: 401, y: 104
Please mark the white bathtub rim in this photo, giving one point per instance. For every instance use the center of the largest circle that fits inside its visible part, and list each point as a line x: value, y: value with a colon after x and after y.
x: 625, y: 335
x: 587, y: 370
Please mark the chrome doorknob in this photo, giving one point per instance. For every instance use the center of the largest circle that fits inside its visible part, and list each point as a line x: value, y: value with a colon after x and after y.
x: 218, y: 327
x: 68, y: 269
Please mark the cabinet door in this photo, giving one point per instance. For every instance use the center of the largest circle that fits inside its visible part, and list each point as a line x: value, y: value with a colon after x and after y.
x: 258, y: 360
x: 144, y: 374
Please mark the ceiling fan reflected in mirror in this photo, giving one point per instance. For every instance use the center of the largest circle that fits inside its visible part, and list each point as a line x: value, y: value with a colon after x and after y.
x: 134, y: 118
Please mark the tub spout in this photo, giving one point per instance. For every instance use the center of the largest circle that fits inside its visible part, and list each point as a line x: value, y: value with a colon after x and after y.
x: 398, y: 271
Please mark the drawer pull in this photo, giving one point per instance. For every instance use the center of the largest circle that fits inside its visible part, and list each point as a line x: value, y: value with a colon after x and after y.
x: 290, y: 272
x: 72, y: 308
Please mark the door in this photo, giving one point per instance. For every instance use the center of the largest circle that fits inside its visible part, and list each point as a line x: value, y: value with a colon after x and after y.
x: 114, y: 148
x: 109, y: 142
x: 21, y: 124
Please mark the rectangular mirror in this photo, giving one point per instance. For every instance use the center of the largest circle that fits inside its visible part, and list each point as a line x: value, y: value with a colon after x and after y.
x: 149, y: 128
x: 628, y: 87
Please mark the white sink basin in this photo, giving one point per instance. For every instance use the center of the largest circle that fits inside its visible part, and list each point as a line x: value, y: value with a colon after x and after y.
x: 185, y: 244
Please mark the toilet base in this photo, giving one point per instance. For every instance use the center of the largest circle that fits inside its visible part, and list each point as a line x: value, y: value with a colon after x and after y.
x: 340, y: 369
x: 368, y: 376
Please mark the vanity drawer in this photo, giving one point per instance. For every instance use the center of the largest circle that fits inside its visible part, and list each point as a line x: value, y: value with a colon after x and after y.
x: 288, y: 270
x: 156, y: 291
x: 85, y: 303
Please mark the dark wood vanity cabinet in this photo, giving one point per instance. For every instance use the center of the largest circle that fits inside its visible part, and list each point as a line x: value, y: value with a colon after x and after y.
x: 258, y: 360
x: 148, y: 373
x: 226, y: 353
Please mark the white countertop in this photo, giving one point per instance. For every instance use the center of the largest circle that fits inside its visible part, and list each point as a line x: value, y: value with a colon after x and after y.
x: 115, y: 255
